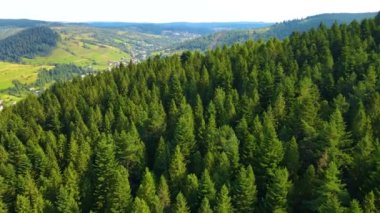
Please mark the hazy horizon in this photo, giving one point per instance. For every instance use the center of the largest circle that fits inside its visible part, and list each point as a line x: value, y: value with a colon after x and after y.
x: 169, y: 11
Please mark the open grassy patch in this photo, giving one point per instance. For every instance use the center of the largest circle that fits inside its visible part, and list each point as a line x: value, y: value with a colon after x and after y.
x: 78, y: 46
x: 25, y: 73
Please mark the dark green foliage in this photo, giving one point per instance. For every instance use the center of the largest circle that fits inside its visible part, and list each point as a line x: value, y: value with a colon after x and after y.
x: 147, y: 189
x: 104, y: 168
x: 177, y: 170
x: 244, y: 193
x: 205, y: 206
x: 61, y: 72
x: 140, y: 206
x: 28, y: 43
x: 270, y: 126
x: 277, y: 192
x: 163, y: 193
x: 180, y: 205
x: 224, y: 204
x: 206, y: 188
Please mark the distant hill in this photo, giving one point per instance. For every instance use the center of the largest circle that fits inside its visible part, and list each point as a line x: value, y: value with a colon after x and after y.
x: 26, y: 23
x: 279, y: 30
x: 28, y: 43
x: 195, y: 28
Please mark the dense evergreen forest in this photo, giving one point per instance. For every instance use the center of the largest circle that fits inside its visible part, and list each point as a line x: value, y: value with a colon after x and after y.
x: 28, y: 43
x: 276, y: 126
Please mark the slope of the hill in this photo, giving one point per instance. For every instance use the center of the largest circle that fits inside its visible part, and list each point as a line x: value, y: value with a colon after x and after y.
x: 28, y: 43
x: 81, y: 47
x: 279, y: 30
x: 26, y: 23
x: 276, y: 126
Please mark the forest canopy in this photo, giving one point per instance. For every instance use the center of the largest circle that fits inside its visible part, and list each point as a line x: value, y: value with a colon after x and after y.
x: 275, y: 126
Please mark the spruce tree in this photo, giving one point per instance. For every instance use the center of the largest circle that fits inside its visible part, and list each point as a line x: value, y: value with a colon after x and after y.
x: 292, y: 158
x: 224, y: 204
x: 147, y: 189
x: 355, y: 207
x: 207, y: 188
x: 277, y: 192
x: 205, y: 206
x: 140, y: 206
x: 177, y: 170
x: 120, y: 196
x: 161, y: 162
x: 163, y: 193
x: 244, y: 193
x: 369, y: 203
x: 180, y: 205
x: 104, y: 168
x: 332, y: 191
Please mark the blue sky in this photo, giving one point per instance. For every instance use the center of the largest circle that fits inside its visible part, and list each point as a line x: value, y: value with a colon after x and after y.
x: 178, y: 10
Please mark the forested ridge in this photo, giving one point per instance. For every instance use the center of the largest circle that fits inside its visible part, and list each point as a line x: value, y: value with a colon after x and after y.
x: 28, y: 43
x: 276, y: 126
x: 278, y: 30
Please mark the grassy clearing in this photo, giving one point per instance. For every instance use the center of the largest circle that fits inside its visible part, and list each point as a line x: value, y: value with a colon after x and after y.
x: 9, y: 99
x: 25, y: 73
x: 79, y: 47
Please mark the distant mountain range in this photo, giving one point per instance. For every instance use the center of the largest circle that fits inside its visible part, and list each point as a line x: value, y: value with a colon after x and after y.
x: 278, y: 30
x: 196, y: 28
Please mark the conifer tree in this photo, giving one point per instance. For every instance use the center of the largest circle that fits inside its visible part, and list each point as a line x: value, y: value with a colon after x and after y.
x: 23, y: 204
x: 269, y: 154
x: 65, y: 202
x: 184, y: 130
x: 177, y: 170
x: 161, y: 162
x: 190, y: 190
x: 120, y: 197
x: 277, y: 192
x: 247, y: 142
x: 245, y: 194
x: 332, y: 192
x: 207, y: 188
x: 292, y: 158
x: 369, y: 203
x: 205, y: 206
x: 147, y: 189
x: 355, y: 207
x: 163, y: 193
x: 224, y: 204
x: 130, y: 150
x: 180, y: 205
x: 104, y: 168
x: 140, y: 206
x: 331, y: 204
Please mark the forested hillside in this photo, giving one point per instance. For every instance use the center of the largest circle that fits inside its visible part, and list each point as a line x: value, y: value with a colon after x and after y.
x: 28, y: 43
x: 26, y: 23
x: 276, y: 126
x: 278, y: 30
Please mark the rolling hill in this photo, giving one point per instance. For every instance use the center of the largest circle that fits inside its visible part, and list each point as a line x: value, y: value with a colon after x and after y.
x: 279, y: 30
x: 28, y: 43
